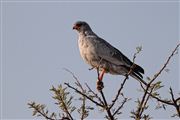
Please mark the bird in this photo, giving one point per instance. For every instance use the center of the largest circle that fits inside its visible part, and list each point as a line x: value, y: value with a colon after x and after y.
x: 104, y: 57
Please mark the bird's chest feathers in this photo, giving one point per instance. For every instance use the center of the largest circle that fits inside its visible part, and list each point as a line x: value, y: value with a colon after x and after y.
x: 87, y: 46
x: 87, y: 49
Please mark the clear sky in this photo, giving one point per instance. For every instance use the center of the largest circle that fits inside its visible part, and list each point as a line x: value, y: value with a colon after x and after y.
x: 37, y: 42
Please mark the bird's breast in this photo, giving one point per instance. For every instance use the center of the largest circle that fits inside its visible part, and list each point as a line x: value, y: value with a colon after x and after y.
x: 88, y: 51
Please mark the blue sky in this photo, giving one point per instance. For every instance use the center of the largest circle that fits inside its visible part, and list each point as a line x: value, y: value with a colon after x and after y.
x: 38, y: 42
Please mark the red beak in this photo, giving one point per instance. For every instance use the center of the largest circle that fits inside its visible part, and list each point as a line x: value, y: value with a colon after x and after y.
x: 75, y: 27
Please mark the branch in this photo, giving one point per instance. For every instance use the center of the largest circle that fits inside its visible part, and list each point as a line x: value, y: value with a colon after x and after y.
x: 76, y: 90
x: 121, y: 106
x: 39, y: 111
x: 126, y: 77
x: 138, y: 115
x: 119, y: 91
x: 106, y: 106
x: 166, y: 63
x: 64, y: 103
x: 96, y: 96
x: 158, y: 99
x: 175, y: 102
x: 83, y: 107
x: 143, y: 101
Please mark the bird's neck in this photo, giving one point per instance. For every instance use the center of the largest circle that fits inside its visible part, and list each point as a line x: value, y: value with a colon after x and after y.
x: 87, y: 33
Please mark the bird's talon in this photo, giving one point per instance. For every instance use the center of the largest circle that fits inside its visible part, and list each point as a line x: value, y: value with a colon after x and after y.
x: 100, y: 85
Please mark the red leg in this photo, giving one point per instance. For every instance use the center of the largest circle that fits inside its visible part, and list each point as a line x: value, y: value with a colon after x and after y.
x: 100, y: 77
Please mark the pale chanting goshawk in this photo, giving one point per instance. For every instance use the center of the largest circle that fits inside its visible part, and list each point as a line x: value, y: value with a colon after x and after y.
x: 103, y: 56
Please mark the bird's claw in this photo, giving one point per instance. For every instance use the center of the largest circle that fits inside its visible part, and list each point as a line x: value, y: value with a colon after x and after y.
x: 100, y: 85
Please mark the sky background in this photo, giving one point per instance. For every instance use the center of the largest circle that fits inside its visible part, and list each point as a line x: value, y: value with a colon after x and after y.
x: 37, y: 42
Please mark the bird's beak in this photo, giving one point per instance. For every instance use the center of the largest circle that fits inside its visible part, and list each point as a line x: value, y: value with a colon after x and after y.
x: 75, y: 27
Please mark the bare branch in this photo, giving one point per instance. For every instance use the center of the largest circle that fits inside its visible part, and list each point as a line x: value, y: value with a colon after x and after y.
x: 166, y: 63
x: 145, y: 101
x: 119, y: 91
x: 96, y: 96
x: 175, y: 102
x: 168, y: 102
x: 76, y: 90
x: 106, y: 106
x: 121, y: 106
x: 126, y: 77
x: 138, y: 115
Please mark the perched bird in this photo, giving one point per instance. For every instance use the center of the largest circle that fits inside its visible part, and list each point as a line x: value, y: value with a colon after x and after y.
x: 103, y: 56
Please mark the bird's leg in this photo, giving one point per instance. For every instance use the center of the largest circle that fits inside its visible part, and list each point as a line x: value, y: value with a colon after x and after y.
x: 100, y: 85
x: 100, y: 77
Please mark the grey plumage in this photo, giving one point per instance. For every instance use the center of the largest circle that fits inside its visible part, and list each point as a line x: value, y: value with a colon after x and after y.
x: 100, y: 54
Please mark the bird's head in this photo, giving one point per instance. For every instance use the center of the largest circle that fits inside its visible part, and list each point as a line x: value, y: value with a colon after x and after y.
x: 81, y: 26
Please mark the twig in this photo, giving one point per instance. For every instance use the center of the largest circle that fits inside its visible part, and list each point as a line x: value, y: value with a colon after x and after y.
x: 106, y: 106
x: 138, y: 116
x: 32, y: 105
x: 159, y: 99
x: 67, y: 112
x: 64, y: 106
x: 144, y: 99
x: 119, y: 91
x: 121, y: 106
x: 94, y: 94
x: 145, y: 102
x: 175, y: 102
x: 71, y: 74
x: 76, y: 90
x: 122, y: 84
x: 166, y: 63
x: 83, y: 101
x: 126, y: 77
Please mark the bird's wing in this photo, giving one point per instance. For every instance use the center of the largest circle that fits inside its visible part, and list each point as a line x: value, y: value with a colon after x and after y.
x: 108, y: 52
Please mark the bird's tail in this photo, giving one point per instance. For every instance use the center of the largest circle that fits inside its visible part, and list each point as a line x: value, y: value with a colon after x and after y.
x: 138, y: 77
x: 136, y: 73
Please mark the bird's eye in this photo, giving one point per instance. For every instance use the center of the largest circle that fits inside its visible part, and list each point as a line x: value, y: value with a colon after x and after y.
x: 78, y: 25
